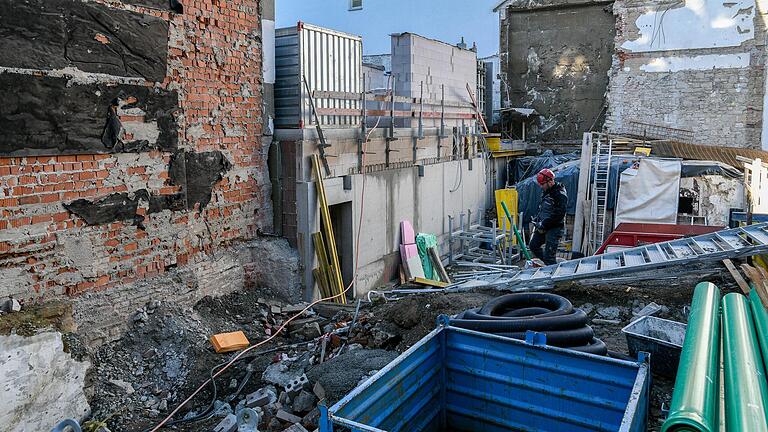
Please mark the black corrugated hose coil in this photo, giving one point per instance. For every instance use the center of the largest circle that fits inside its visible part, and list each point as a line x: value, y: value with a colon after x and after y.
x: 512, y: 315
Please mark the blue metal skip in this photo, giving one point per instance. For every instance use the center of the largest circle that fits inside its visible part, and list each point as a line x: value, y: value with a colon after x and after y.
x: 464, y: 381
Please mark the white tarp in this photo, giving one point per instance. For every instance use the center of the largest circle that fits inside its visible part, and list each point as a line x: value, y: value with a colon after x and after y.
x: 650, y: 193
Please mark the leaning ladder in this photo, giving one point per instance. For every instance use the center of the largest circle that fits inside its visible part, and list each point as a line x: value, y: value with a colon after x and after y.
x: 730, y: 243
x: 601, y: 177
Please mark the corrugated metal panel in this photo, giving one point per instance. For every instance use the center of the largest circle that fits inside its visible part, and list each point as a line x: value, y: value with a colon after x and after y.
x: 329, y: 60
x: 468, y: 381
x: 411, y: 398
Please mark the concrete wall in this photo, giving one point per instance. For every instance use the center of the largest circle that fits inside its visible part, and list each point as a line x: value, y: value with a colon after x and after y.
x: 42, y: 384
x: 448, y: 188
x: 384, y: 60
x: 694, y: 65
x: 417, y: 60
x: 375, y: 77
x: 177, y: 175
x: 555, y: 56
x: 493, y: 97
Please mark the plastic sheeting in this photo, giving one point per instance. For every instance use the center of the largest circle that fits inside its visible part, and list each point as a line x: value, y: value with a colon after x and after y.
x: 423, y: 243
x: 529, y: 193
x: 649, y: 193
x: 527, y: 166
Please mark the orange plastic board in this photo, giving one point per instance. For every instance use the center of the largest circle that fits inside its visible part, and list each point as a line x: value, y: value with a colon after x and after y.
x: 226, y: 342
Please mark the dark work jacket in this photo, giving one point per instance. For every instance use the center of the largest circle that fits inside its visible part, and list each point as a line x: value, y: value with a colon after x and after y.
x: 553, y: 206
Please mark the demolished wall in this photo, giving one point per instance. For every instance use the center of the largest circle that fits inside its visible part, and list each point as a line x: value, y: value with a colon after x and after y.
x: 691, y: 65
x: 555, y: 57
x: 132, y: 143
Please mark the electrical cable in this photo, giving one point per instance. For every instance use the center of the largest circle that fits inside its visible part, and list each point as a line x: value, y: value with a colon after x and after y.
x: 289, y: 320
x: 204, y: 415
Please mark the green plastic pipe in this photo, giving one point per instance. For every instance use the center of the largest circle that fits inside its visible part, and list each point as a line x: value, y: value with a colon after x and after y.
x: 760, y: 318
x: 746, y: 391
x: 517, y: 233
x: 694, y: 406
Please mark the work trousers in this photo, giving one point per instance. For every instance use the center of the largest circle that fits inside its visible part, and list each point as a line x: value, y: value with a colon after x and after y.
x: 550, y: 240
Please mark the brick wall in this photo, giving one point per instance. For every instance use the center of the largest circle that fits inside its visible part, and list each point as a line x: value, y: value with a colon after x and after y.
x: 131, y: 215
x: 675, y: 68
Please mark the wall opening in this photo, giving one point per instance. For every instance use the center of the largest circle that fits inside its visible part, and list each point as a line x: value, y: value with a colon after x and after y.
x: 341, y: 218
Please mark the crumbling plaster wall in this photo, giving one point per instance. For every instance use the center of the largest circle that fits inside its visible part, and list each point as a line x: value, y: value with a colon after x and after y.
x: 555, y: 56
x: 714, y: 196
x: 696, y: 65
x: 127, y: 195
x: 42, y: 384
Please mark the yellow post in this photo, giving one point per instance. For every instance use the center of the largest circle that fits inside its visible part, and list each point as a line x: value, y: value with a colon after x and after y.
x: 509, y: 197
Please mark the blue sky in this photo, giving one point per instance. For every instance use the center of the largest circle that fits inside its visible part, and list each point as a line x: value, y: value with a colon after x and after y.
x: 446, y: 20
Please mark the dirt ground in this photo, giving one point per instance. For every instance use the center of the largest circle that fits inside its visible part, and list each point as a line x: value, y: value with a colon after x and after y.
x: 165, y: 354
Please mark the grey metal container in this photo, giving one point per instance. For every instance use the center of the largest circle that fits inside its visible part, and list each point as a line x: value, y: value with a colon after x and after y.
x: 663, y: 339
x: 330, y: 61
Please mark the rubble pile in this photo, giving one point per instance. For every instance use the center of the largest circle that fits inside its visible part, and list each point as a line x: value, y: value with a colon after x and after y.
x: 166, y: 354
x: 322, y: 355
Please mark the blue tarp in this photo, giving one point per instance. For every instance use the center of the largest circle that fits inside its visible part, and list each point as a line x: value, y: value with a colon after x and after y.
x: 529, y: 193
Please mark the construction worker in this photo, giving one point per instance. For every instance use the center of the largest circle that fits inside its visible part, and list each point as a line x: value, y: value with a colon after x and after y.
x: 550, y: 219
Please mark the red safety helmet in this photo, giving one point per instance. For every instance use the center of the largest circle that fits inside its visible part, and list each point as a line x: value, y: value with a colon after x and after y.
x: 544, y: 176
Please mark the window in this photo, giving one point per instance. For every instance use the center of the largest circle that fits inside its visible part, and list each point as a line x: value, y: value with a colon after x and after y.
x: 355, y: 5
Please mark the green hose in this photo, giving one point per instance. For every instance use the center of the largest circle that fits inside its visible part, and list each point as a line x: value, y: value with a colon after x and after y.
x: 746, y: 392
x: 519, y: 237
x: 695, y: 399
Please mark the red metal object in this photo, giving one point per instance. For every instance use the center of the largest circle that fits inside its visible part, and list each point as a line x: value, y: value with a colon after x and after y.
x: 631, y: 235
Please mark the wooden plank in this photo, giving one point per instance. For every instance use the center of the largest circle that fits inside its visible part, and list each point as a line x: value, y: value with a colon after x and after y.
x: 415, y: 101
x: 323, y: 270
x: 758, y: 282
x: 437, y: 263
x: 322, y: 282
x: 437, y: 114
x: 736, y: 276
x: 325, y: 220
x: 398, y: 99
x: 399, y: 114
x: 317, y: 94
x: 427, y: 282
x: 762, y: 289
x: 581, y: 195
x: 337, y: 112
x: 382, y: 113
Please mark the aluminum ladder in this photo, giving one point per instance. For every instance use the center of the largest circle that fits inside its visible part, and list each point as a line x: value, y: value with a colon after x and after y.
x: 712, y: 247
x: 731, y: 243
x: 600, y: 178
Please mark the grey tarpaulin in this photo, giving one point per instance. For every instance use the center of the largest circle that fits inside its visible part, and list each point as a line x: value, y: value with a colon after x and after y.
x: 529, y: 193
x: 527, y: 166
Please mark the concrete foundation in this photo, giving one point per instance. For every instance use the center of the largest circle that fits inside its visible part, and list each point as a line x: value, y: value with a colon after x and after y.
x: 383, y: 197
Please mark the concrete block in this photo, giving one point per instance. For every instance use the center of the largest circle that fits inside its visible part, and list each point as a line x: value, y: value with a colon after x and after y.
x: 228, y: 424
x: 287, y: 417
x: 261, y: 397
x: 10, y: 305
